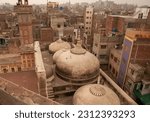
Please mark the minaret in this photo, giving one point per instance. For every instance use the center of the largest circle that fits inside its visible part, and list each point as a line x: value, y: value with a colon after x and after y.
x: 19, y: 2
x: 24, y: 12
x: 69, y: 3
x: 25, y: 2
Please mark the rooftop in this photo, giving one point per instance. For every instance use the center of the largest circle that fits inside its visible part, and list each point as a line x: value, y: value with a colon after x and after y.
x: 128, y: 17
x: 136, y: 67
x: 20, y: 94
x: 134, y: 34
x: 26, y: 79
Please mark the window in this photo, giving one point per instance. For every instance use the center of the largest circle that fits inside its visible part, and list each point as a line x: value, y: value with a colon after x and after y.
x: 65, y: 24
x: 115, y: 59
x: 58, y: 25
x: 111, y: 55
x: 19, y: 68
x: 147, y: 86
x: 113, y: 71
x: 102, y: 56
x: 2, y: 41
x: 29, y: 65
x: 87, y: 12
x: 110, y: 66
x: 5, y: 70
x: 132, y: 71
x: 103, y: 46
x: 96, y: 44
x: 140, y: 16
x: 12, y: 69
x: 87, y: 17
x: 116, y: 73
x: 128, y: 84
x: 87, y: 23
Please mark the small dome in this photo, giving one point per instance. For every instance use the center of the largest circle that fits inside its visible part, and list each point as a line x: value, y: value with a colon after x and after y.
x: 57, y: 54
x: 49, y: 70
x: 95, y: 94
x: 58, y: 45
x: 77, y: 64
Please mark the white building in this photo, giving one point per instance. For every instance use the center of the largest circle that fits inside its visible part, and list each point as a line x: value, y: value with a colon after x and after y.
x: 141, y: 13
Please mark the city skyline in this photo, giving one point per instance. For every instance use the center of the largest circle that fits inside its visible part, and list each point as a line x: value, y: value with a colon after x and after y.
x: 136, y: 2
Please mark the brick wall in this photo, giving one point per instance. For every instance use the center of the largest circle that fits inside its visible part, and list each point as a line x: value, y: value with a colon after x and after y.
x: 46, y: 35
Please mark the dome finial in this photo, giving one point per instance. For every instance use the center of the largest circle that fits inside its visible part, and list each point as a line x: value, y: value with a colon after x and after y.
x: 79, y: 40
x: 60, y: 33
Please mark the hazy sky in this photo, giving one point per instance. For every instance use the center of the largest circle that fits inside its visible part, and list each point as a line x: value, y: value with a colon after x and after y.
x: 138, y: 2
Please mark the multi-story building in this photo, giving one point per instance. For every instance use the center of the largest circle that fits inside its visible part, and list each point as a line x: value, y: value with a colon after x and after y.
x: 114, y: 61
x: 130, y: 66
x: 137, y: 80
x: 88, y: 24
x: 135, y: 75
x: 141, y: 12
x: 136, y: 48
x: 102, y: 46
x: 88, y: 20
x: 119, y: 24
x: 53, y: 7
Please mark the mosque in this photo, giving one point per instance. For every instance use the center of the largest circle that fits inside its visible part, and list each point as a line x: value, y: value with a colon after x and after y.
x: 75, y: 77
x: 67, y: 74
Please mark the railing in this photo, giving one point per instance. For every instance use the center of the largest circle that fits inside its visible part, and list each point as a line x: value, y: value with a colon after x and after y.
x: 126, y: 97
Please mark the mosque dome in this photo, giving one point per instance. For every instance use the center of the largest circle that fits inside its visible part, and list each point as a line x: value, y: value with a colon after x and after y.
x: 58, y: 45
x: 77, y: 65
x: 49, y: 70
x: 56, y: 54
x: 95, y: 94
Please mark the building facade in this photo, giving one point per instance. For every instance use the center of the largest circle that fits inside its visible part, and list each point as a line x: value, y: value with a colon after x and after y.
x: 88, y: 20
x: 102, y: 46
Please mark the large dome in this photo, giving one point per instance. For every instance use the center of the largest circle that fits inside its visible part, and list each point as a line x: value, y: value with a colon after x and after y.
x: 95, y: 94
x: 58, y: 45
x: 77, y: 65
x: 57, y: 54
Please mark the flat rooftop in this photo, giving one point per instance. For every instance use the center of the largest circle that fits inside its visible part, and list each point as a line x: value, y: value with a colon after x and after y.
x: 26, y: 79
